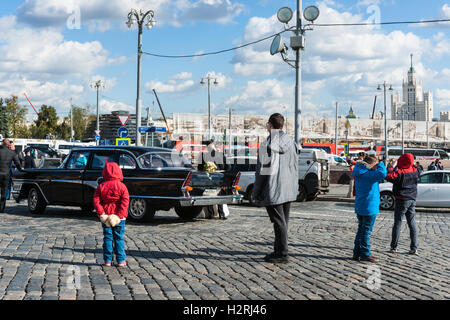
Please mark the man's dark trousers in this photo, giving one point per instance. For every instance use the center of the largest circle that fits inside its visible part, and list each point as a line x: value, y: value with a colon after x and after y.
x: 407, y: 208
x: 279, y: 215
x: 4, y: 180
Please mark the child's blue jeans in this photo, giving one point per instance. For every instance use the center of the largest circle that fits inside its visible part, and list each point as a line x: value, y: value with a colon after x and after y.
x: 362, y: 239
x: 113, y: 242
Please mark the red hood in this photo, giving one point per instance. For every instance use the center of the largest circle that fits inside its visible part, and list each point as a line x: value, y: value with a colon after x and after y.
x: 112, y: 171
x: 406, y: 161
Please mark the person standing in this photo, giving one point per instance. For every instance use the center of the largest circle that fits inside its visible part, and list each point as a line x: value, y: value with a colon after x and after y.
x: 367, y: 173
x: 438, y: 165
x: 29, y: 161
x: 111, y: 200
x: 405, y: 191
x: 391, y: 166
x: 276, y: 183
x: 419, y: 167
x: 7, y: 157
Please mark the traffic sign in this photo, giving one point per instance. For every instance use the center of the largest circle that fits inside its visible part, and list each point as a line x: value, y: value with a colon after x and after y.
x: 97, y: 138
x: 152, y: 129
x: 123, y: 141
x: 123, y: 118
x: 122, y: 132
x: 97, y: 132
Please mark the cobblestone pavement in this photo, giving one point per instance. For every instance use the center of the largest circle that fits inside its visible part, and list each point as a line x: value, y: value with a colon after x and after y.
x: 58, y: 255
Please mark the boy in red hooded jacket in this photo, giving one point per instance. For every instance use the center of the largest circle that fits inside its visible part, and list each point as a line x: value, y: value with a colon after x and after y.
x: 111, y: 200
x: 405, y: 180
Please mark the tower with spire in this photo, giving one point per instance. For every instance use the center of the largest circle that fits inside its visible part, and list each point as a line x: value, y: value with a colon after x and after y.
x: 416, y: 105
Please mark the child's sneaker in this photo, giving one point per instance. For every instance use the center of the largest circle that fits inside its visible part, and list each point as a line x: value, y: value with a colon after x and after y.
x: 122, y: 264
x: 393, y: 250
x: 414, y: 252
x: 107, y: 264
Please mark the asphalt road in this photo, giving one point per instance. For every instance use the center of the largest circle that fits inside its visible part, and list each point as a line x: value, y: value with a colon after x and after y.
x: 58, y: 255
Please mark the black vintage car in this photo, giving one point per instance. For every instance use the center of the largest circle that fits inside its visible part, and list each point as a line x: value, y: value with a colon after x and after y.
x: 156, y: 178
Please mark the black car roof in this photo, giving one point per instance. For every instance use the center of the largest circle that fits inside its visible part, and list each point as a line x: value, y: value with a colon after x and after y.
x: 137, y: 151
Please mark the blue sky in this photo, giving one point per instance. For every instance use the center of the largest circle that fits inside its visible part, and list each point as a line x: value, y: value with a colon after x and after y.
x: 52, y: 63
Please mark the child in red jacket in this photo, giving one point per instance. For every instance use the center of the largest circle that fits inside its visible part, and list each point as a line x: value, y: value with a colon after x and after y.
x: 111, y: 200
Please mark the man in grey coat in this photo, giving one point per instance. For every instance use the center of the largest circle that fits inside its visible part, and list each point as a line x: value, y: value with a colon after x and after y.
x: 276, y: 183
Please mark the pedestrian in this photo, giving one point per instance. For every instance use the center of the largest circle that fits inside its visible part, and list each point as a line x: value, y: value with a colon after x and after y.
x: 111, y: 201
x: 431, y: 166
x: 391, y: 166
x: 367, y: 173
x: 29, y: 160
x: 419, y: 167
x: 212, y: 160
x: 438, y: 165
x: 276, y: 183
x: 405, y: 191
x: 7, y: 157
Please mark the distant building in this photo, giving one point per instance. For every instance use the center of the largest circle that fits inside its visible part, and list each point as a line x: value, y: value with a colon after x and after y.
x: 445, y: 116
x: 415, y: 105
x: 351, y: 114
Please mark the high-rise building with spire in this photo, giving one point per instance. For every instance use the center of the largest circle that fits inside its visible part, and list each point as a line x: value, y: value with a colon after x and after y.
x: 416, y: 105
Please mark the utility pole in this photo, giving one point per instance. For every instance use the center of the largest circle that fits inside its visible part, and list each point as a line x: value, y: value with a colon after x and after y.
x: 202, y: 81
x: 298, y: 79
x: 97, y: 85
x: 71, y: 120
x: 336, y: 131
x: 385, y: 120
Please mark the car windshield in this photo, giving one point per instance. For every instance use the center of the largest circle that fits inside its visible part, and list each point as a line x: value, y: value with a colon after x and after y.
x: 163, y: 160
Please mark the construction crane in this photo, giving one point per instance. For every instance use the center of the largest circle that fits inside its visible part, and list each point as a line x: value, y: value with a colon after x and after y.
x: 374, y: 104
x: 162, y: 112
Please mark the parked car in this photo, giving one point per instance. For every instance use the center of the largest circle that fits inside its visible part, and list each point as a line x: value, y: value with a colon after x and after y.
x: 433, y: 190
x: 246, y: 165
x: 156, y: 178
x: 44, y: 150
x: 336, y: 160
x: 313, y: 174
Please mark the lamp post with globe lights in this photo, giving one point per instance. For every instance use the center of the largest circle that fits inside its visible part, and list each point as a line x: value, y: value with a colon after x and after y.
x: 141, y: 18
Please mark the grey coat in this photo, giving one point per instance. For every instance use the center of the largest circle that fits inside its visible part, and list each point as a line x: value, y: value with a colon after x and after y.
x: 276, y: 178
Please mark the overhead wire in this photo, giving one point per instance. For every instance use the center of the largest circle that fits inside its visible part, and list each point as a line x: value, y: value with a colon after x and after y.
x: 291, y: 29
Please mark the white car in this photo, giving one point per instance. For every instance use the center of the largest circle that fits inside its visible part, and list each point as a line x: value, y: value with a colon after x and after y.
x: 433, y: 191
x: 336, y: 160
x: 246, y: 165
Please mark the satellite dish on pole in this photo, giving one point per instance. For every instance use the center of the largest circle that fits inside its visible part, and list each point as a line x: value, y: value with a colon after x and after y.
x: 277, y: 45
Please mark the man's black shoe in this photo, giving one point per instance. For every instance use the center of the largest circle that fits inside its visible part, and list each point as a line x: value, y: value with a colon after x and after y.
x: 276, y: 258
x: 356, y: 258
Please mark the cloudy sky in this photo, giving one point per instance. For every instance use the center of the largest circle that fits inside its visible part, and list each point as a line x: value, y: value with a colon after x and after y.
x: 53, y: 50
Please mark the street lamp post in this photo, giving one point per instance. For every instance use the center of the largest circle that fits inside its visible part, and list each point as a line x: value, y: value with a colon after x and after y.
x: 385, y: 120
x: 140, y: 18
x: 209, y: 78
x: 97, y: 85
x: 297, y: 43
x: 403, y: 130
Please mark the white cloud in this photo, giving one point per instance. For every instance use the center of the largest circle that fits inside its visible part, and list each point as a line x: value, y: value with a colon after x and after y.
x: 107, y: 106
x: 99, y: 15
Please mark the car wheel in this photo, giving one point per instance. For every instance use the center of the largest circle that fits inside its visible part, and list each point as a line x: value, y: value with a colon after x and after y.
x: 249, y: 195
x: 301, y: 193
x: 387, y: 201
x: 139, y: 210
x: 36, y: 202
x: 312, y: 196
x: 188, y: 213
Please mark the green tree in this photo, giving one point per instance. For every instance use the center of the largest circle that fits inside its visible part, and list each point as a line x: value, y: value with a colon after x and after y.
x: 63, y: 130
x: 81, y: 117
x: 46, y: 123
x: 15, y: 117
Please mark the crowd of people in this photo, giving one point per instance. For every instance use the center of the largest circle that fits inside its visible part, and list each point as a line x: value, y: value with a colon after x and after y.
x: 275, y: 188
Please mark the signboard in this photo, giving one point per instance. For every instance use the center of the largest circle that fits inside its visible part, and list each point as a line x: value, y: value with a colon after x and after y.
x: 97, y: 132
x: 152, y: 129
x: 346, y: 149
x: 122, y: 132
x: 123, y: 119
x: 97, y: 138
x: 123, y: 142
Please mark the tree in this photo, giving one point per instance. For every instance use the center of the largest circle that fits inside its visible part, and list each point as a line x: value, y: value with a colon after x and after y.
x: 63, y: 130
x: 46, y: 123
x: 15, y: 117
x: 81, y: 117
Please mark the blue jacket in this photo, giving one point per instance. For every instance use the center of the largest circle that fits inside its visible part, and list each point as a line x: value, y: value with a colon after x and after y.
x: 367, y: 200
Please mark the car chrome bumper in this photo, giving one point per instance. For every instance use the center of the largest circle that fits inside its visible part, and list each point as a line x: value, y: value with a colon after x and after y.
x: 190, y: 201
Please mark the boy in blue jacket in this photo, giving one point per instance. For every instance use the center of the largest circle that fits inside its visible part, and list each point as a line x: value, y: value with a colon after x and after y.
x: 367, y: 173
